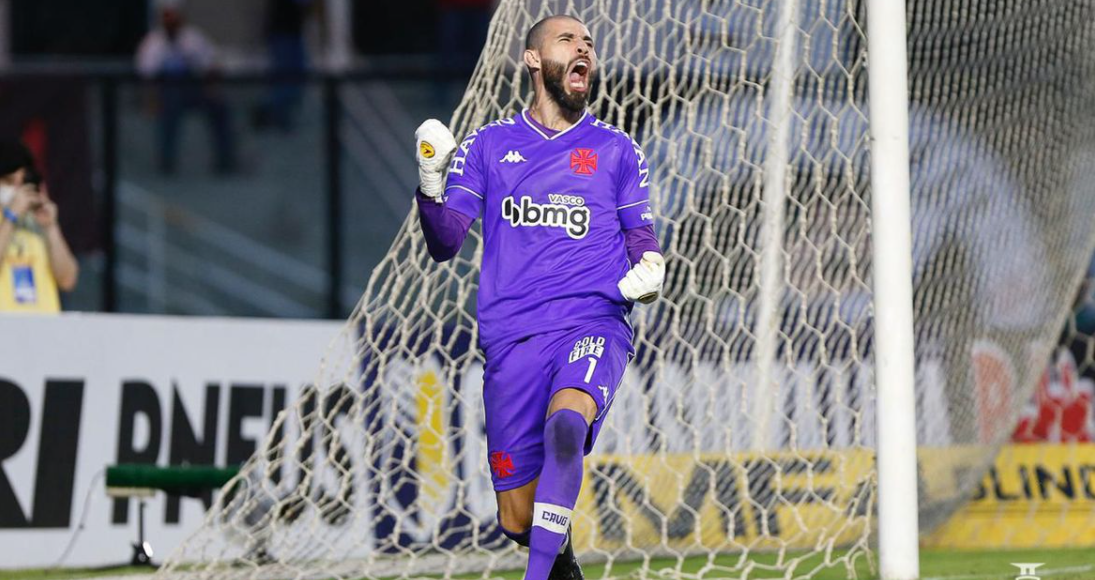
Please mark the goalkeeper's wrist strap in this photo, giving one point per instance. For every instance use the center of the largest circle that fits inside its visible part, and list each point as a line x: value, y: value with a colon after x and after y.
x: 10, y: 216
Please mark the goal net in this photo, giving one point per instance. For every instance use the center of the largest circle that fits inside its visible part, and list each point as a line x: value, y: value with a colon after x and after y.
x: 741, y: 442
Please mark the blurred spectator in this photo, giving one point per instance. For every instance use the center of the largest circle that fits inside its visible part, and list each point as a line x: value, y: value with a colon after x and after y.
x: 178, y: 55
x: 285, y: 21
x: 35, y: 260
x: 51, y: 115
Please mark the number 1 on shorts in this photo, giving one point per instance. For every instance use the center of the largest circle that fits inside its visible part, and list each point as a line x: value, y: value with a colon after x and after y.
x: 592, y: 365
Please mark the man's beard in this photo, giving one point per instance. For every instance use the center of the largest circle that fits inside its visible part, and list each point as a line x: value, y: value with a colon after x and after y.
x: 554, y: 78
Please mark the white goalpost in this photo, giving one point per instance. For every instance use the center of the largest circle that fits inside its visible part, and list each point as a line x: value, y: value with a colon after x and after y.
x: 775, y: 197
x: 891, y: 235
x: 874, y: 217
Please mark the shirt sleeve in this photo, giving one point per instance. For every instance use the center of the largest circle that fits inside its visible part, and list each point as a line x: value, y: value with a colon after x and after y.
x: 633, y: 188
x: 639, y: 240
x: 443, y: 228
x: 466, y: 185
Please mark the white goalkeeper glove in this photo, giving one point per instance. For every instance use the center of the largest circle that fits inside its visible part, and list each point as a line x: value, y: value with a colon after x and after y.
x: 644, y: 282
x: 434, y: 144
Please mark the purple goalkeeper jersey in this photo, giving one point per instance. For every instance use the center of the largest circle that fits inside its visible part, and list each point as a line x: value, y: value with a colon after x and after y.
x: 554, y: 208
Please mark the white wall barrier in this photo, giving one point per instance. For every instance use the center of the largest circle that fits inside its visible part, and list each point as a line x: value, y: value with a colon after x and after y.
x: 80, y: 392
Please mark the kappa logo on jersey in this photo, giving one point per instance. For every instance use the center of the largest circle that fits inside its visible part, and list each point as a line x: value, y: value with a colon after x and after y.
x: 583, y: 161
x: 501, y: 464
x: 588, y: 346
x: 512, y: 157
x: 573, y: 217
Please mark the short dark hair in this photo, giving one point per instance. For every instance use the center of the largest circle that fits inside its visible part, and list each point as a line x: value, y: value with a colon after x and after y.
x: 535, y: 34
x: 14, y: 156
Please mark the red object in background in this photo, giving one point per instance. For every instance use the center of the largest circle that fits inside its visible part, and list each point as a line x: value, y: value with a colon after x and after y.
x: 34, y: 137
x: 51, y: 115
x: 994, y: 382
x: 1061, y: 409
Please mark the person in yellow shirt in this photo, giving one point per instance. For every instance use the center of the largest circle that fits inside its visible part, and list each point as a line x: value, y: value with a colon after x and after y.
x: 35, y: 260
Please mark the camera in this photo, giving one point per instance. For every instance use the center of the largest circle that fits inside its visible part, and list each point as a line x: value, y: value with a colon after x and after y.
x: 32, y: 176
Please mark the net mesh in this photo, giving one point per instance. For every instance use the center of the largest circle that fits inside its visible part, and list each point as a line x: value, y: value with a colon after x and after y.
x: 740, y: 444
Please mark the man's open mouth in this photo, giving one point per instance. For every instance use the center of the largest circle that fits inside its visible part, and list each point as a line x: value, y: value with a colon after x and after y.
x: 578, y: 76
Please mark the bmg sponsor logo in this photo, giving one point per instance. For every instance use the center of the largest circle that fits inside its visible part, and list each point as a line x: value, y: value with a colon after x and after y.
x: 574, y: 218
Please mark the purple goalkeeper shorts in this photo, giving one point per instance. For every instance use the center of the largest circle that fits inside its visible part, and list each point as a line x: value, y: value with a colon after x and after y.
x: 521, y: 377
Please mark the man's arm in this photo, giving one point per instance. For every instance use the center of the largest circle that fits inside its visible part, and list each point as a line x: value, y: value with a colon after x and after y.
x: 446, y: 219
x: 66, y: 271
x: 639, y: 240
x: 444, y: 229
x: 643, y: 283
x: 61, y: 261
x: 7, y: 231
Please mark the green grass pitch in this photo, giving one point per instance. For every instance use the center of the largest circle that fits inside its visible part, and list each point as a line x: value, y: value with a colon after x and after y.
x: 1059, y: 564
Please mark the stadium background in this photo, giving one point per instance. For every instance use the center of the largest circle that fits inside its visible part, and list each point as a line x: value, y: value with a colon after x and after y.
x: 295, y: 230
x: 70, y: 89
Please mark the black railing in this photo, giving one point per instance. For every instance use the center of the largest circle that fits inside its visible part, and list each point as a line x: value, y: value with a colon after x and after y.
x: 108, y: 84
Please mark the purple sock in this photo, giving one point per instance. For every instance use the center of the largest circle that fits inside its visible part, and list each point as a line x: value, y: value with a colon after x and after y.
x: 557, y: 492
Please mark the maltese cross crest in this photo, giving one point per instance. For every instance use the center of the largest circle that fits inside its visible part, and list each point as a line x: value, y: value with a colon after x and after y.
x: 583, y: 161
x: 501, y: 464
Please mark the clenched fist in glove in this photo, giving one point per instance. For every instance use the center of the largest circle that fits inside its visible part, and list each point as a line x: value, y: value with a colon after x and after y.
x: 434, y: 144
x: 644, y: 281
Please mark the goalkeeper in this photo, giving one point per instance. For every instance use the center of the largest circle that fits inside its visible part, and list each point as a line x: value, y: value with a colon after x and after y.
x: 568, y: 247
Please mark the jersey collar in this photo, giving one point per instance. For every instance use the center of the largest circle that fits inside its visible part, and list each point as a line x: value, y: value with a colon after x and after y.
x: 532, y: 125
